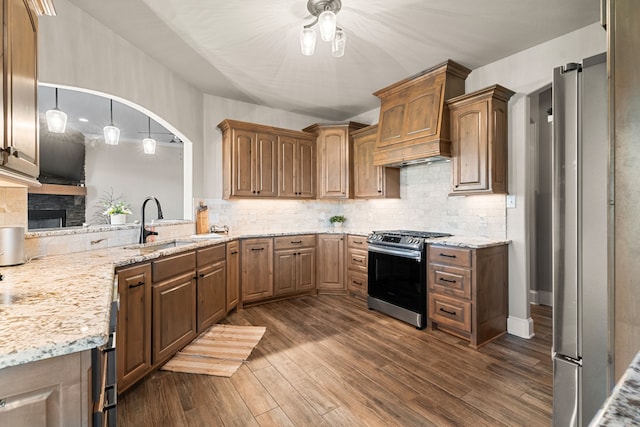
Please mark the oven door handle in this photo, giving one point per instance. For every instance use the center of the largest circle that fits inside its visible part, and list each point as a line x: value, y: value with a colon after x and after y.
x: 403, y: 253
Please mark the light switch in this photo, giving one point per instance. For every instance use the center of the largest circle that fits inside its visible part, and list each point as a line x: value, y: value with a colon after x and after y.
x: 511, y: 201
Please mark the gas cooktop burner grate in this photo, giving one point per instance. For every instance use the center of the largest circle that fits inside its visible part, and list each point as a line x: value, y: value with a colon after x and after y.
x: 411, y: 233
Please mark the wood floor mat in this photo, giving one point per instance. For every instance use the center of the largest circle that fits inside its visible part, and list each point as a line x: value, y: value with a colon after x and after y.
x: 219, y: 351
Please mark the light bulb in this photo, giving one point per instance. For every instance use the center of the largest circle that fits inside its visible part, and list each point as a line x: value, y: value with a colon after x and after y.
x: 307, y: 41
x: 111, y: 135
x: 149, y: 146
x: 327, y: 24
x: 338, y: 44
x: 56, y: 120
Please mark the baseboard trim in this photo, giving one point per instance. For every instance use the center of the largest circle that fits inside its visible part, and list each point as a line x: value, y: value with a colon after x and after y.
x: 522, y: 328
x: 545, y: 298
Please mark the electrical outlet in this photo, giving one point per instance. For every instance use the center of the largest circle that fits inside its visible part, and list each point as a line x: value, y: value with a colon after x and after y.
x: 511, y: 201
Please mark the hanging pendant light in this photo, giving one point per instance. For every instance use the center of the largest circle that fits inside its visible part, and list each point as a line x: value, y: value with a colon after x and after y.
x: 56, y: 119
x: 339, y: 43
x: 111, y: 132
x: 149, y: 144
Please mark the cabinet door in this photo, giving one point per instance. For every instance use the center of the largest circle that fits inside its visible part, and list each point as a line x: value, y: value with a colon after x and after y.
x: 21, y: 87
x: 212, y: 302
x: 233, y: 275
x: 266, y: 166
x: 306, y: 169
x: 287, y: 150
x: 470, y: 147
x: 134, y: 325
x: 306, y: 269
x: 242, y: 169
x: 331, y: 263
x: 333, y: 156
x: 174, y: 315
x: 257, y: 269
x: 368, y: 179
x: 284, y: 271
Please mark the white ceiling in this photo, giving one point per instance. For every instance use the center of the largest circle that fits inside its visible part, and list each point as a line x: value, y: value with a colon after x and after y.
x: 249, y: 50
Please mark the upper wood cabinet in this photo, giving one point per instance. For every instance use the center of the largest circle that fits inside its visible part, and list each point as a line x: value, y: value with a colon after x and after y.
x: 265, y: 161
x: 479, y: 137
x: 20, y: 156
x: 414, y: 117
x: 296, y: 166
x: 334, y: 159
x: 370, y: 181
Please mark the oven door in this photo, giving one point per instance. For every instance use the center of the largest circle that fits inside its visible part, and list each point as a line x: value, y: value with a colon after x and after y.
x: 398, y: 277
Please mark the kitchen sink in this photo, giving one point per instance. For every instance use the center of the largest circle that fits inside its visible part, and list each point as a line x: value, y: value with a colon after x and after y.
x: 158, y: 246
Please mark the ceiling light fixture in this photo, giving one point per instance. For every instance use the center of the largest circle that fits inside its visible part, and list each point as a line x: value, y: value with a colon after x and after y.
x: 325, y: 12
x: 149, y: 144
x: 56, y: 119
x: 111, y: 133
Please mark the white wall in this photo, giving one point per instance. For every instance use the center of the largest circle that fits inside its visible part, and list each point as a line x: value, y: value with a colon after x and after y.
x: 74, y: 49
x: 526, y: 72
x: 135, y: 175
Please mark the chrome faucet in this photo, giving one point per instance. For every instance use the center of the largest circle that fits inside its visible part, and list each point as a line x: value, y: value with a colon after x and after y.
x: 143, y: 231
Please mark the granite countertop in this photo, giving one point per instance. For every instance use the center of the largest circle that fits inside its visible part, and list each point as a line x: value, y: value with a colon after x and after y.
x: 59, y: 305
x: 623, y: 406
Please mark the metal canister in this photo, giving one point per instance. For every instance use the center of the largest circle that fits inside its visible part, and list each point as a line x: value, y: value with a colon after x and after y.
x: 11, y: 245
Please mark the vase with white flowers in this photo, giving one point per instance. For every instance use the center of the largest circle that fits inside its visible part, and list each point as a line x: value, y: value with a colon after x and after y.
x: 117, y: 211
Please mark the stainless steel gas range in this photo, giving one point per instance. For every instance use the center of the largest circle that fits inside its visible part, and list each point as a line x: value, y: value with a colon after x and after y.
x: 397, y: 274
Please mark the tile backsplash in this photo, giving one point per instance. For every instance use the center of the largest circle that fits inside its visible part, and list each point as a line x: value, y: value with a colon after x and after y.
x: 13, y: 206
x: 425, y: 204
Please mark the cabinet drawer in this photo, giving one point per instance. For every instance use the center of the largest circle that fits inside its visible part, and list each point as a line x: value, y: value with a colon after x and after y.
x: 450, y: 280
x: 171, y: 266
x: 450, y: 312
x: 357, y: 260
x: 289, y: 242
x: 359, y: 242
x: 210, y: 255
x: 449, y: 255
x: 357, y: 282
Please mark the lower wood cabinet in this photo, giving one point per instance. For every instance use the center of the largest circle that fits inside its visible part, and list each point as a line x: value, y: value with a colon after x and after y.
x: 134, y: 325
x: 257, y: 269
x: 330, y: 277
x: 233, y: 275
x: 211, y: 285
x: 294, y: 266
x: 357, y: 265
x: 48, y: 392
x: 174, y: 305
x: 468, y: 291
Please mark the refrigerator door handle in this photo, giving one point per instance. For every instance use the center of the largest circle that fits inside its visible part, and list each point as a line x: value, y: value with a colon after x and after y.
x: 567, y: 377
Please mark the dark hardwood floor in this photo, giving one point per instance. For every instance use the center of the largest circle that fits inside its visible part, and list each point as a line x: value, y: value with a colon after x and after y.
x: 328, y: 361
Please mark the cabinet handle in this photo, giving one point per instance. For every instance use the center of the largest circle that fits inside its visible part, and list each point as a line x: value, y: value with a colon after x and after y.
x: 447, y: 256
x: 442, y: 279
x: 356, y: 260
x: 10, y: 151
x: 356, y: 283
x: 358, y: 242
x: 234, y: 252
x: 136, y: 285
x: 296, y: 242
x: 379, y: 191
x: 201, y: 275
x: 453, y: 313
x: 257, y: 249
x: 254, y: 191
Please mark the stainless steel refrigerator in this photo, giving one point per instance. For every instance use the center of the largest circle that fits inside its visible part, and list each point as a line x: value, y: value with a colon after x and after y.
x: 582, y: 362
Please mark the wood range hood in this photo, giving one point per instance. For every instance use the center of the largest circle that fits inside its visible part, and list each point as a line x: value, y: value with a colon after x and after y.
x: 414, y: 117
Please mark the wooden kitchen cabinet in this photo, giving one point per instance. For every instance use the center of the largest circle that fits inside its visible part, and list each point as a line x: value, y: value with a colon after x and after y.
x: 20, y: 149
x: 296, y: 167
x: 294, y: 266
x: 211, y: 285
x: 334, y: 148
x: 257, y: 269
x: 134, y: 325
x: 468, y: 291
x: 331, y: 271
x: 250, y: 164
x: 414, y: 118
x: 479, y: 141
x: 47, y: 392
x: 233, y: 275
x: 357, y: 265
x: 370, y: 181
x: 174, y: 304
